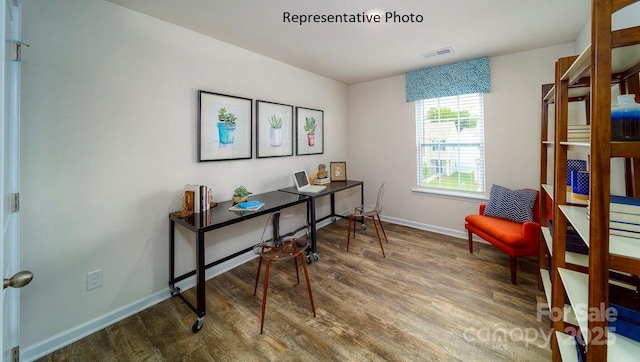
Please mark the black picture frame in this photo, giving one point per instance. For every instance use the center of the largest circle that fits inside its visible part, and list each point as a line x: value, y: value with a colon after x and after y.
x: 224, y: 140
x: 273, y: 139
x: 309, y: 141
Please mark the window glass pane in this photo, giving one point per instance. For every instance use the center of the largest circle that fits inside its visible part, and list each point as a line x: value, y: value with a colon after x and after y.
x: 450, y: 144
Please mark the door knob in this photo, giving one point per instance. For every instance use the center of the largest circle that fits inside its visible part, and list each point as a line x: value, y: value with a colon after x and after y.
x: 18, y: 280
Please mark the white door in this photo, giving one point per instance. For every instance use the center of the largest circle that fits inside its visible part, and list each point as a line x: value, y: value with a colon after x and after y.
x: 9, y: 257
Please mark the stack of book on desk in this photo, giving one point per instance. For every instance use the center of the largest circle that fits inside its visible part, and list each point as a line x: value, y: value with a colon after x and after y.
x: 322, y: 181
x: 197, y: 198
x: 624, y: 216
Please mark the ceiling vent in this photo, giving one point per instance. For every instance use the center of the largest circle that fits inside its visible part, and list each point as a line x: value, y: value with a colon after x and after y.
x: 437, y: 53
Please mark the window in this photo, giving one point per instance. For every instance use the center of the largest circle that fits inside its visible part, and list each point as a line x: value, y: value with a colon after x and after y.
x: 450, y: 144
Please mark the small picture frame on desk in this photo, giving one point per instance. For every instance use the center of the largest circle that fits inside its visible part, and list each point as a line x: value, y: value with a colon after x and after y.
x: 338, y: 171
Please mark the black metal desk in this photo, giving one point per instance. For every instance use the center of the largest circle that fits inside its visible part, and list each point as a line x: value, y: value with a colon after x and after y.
x: 212, y: 219
x: 332, y: 188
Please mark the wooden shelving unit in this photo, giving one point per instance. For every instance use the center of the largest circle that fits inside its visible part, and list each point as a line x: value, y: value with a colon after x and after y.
x: 613, y: 57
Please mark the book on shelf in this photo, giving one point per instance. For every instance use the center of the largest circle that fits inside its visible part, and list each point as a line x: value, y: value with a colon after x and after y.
x: 574, y: 241
x: 252, y: 205
x: 626, y: 226
x: 322, y: 181
x: 579, y: 136
x: 625, y: 204
x: 621, y: 217
x: 573, y: 127
x: 625, y: 233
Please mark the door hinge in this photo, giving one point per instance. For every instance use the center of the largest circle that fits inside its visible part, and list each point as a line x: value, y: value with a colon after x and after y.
x: 15, y: 207
x: 15, y: 354
x: 16, y: 51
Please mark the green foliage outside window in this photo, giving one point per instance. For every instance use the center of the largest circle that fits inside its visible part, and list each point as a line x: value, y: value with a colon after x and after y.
x: 462, y: 118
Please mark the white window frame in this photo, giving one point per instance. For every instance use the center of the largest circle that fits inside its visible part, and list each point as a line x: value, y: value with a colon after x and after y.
x: 450, y: 143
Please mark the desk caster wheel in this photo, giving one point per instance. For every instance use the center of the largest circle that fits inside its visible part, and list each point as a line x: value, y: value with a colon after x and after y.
x: 316, y: 257
x: 334, y: 219
x: 363, y: 226
x: 174, y: 291
x: 197, y: 325
x: 309, y: 259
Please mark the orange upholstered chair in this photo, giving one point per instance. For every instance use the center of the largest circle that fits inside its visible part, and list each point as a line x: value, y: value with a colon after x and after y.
x: 516, y: 238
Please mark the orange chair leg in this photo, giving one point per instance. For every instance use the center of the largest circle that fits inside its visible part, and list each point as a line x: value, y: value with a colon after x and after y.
x: 306, y: 277
x: 375, y: 224
x: 264, y: 294
x: 513, y: 270
x: 470, y: 242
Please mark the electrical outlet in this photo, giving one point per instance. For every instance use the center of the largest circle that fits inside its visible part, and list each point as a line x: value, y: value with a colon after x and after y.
x: 94, y: 279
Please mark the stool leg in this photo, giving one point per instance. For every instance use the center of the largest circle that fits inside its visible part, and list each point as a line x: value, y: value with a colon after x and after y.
x: 306, y: 277
x: 470, y: 241
x: 382, y: 227
x: 295, y: 261
x: 264, y: 294
x: 375, y: 224
x: 255, y: 288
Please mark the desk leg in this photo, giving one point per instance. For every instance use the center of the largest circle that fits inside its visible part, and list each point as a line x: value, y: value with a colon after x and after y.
x: 333, y: 207
x: 200, y: 283
x: 172, y: 258
x: 363, y: 226
x: 314, y: 234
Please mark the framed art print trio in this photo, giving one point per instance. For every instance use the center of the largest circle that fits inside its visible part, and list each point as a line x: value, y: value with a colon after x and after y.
x: 225, y: 128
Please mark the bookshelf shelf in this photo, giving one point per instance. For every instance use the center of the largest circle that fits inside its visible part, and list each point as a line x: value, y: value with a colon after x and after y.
x: 569, y: 316
x: 567, y: 346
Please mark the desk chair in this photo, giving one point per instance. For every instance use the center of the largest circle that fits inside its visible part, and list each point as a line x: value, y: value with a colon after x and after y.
x: 285, y: 237
x: 368, y: 211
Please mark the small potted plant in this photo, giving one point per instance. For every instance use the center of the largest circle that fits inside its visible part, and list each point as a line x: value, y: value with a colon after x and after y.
x: 240, y: 194
x: 275, y: 133
x: 310, y: 128
x: 226, y: 126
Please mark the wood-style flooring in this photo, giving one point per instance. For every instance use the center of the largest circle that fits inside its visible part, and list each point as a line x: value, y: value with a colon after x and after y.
x: 428, y: 300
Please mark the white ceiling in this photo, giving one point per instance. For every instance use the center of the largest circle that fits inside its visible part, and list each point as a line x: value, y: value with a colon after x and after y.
x: 358, y: 52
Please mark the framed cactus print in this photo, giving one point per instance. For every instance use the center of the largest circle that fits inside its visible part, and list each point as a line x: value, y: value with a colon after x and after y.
x: 274, y: 129
x: 224, y: 127
x: 309, y: 131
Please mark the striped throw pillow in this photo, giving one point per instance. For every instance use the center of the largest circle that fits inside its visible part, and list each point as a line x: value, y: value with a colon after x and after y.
x: 515, y: 205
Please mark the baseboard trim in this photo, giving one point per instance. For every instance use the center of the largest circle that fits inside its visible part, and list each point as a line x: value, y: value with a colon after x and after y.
x: 54, y: 343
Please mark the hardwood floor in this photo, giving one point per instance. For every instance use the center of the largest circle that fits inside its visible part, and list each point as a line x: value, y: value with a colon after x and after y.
x: 428, y: 300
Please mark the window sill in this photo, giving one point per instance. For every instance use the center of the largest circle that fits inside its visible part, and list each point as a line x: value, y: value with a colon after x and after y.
x: 461, y: 196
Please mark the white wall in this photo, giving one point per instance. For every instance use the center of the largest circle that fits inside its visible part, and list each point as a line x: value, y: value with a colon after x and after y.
x: 109, y: 141
x: 382, y: 146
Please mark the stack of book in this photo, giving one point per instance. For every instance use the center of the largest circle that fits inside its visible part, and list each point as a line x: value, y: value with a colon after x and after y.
x: 322, y: 181
x: 624, y: 216
x: 197, y: 198
x: 579, y: 133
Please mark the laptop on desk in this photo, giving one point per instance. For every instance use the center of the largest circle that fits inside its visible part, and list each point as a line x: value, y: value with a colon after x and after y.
x: 302, y: 183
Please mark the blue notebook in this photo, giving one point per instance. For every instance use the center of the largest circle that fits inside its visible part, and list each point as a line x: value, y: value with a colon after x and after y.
x: 252, y: 204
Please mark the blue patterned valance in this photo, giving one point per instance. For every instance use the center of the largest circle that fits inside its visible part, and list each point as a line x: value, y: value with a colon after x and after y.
x: 465, y: 77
